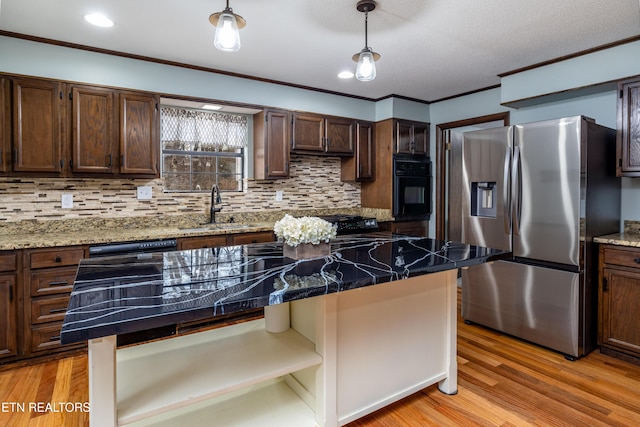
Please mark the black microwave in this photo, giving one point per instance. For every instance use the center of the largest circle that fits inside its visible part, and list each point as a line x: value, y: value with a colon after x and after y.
x: 412, y: 187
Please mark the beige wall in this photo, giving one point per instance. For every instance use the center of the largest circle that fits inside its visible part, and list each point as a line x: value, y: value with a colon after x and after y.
x: 314, y: 183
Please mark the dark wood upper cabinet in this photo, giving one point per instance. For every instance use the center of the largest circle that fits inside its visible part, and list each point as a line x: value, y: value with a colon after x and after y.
x: 272, y: 136
x: 94, y: 145
x: 412, y: 137
x: 628, y: 128
x: 316, y: 134
x: 308, y: 133
x: 53, y: 128
x: 37, y: 126
x: 361, y: 167
x: 340, y: 134
x: 139, y: 133
x: 5, y: 125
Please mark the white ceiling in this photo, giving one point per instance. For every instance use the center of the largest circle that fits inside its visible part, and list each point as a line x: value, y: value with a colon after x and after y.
x: 431, y: 49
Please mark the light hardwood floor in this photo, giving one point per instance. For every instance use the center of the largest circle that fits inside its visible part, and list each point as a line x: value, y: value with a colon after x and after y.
x: 502, y: 382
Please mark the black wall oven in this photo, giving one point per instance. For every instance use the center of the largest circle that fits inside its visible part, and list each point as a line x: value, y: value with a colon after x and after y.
x: 411, y: 187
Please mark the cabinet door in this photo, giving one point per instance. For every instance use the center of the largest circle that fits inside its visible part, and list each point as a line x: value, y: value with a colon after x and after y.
x: 308, y: 133
x: 420, y: 139
x: 365, y: 152
x: 412, y: 137
x: 620, y: 319
x: 278, y: 138
x: 139, y: 133
x: 361, y: 166
x: 5, y: 124
x: 93, y: 141
x: 628, y: 135
x: 8, y: 320
x: 37, y: 118
x: 339, y: 135
x: 403, y: 137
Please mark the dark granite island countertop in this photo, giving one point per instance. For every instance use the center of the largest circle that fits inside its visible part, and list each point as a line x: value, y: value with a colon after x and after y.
x: 131, y: 293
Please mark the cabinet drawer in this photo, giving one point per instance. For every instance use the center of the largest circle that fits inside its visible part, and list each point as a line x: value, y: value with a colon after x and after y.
x: 245, y: 239
x: 624, y: 257
x: 202, y: 242
x: 52, y: 281
x: 59, y: 257
x: 49, y: 309
x: 47, y: 337
x: 8, y: 262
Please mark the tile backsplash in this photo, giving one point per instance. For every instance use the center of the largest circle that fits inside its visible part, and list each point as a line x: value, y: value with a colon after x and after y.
x: 314, y: 184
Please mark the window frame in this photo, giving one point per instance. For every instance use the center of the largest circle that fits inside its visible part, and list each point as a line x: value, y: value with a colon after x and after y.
x: 240, y: 154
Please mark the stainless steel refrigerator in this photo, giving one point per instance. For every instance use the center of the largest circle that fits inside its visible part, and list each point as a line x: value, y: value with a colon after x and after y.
x: 542, y: 190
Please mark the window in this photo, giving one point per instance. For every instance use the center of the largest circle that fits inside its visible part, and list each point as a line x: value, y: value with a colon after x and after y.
x: 202, y: 148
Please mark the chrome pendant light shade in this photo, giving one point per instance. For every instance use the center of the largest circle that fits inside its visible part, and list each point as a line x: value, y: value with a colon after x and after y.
x: 366, y: 58
x: 228, y: 24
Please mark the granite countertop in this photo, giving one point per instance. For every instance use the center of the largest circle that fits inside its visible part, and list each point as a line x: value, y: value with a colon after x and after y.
x: 629, y: 237
x: 109, y: 235
x: 132, y: 293
x: 620, y: 239
x: 87, y: 231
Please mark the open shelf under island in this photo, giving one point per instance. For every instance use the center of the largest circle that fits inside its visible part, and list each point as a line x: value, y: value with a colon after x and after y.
x: 343, y: 335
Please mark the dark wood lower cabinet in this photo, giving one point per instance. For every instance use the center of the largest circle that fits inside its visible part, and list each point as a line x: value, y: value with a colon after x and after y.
x: 8, y: 316
x: 34, y: 299
x: 619, y: 299
x: 9, y: 305
x: 411, y: 228
x: 49, y: 274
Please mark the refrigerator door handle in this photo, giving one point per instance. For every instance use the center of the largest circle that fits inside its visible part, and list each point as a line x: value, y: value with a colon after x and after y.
x: 506, y: 196
x: 516, y: 191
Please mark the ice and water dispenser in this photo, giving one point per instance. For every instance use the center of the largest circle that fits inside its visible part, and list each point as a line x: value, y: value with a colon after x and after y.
x: 483, y: 199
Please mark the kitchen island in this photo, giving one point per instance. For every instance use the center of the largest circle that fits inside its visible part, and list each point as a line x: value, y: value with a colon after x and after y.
x: 343, y: 335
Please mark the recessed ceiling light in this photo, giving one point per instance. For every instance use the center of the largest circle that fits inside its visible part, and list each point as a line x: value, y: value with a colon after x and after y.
x: 211, y: 107
x: 345, y: 74
x: 98, y: 20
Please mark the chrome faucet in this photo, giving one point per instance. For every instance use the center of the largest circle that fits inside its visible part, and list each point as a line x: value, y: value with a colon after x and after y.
x: 215, y: 198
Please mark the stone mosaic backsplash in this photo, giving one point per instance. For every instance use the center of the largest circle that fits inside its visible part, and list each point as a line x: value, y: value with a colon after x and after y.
x: 314, y: 184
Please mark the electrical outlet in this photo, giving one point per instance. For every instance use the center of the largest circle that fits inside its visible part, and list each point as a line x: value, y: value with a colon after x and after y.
x: 144, y: 192
x: 67, y: 201
x: 278, y: 195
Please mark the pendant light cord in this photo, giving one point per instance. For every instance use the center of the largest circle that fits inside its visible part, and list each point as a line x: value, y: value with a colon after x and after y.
x: 366, y: 28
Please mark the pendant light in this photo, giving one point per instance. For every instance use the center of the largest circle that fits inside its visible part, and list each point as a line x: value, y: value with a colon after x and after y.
x: 227, y: 23
x: 366, y: 58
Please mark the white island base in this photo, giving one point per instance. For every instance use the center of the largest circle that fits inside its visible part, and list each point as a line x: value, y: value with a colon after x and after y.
x: 345, y: 355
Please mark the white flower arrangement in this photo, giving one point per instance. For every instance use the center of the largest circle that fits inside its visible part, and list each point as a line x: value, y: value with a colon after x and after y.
x: 307, y: 229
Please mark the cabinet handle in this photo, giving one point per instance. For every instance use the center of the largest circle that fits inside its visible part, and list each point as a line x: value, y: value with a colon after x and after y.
x: 61, y: 163
x: 636, y: 260
x: 59, y: 283
x: 55, y: 338
x: 57, y: 310
x: 11, y: 293
x: 57, y: 259
x: 0, y: 156
x: 110, y: 160
x: 15, y: 156
x: 605, y: 285
x: 71, y: 163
